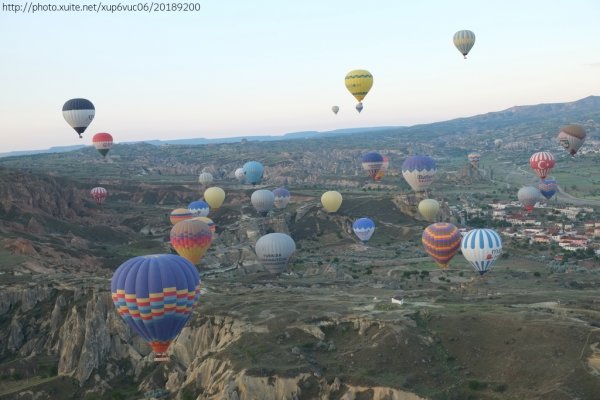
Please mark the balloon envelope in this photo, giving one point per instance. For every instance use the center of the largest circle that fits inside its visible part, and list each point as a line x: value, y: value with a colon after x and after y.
x: 191, y: 238
x: 419, y: 171
x: 335, y: 109
x: 372, y: 162
x: 528, y: 196
x: 282, y: 197
x: 542, y: 162
x: 205, y: 178
x: 464, y: 41
x: 441, y: 241
x: 384, y: 167
x: 359, y: 82
x: 180, y: 214
x: 274, y: 251
x: 211, y: 224
x: 239, y: 175
x: 474, y: 159
x: 99, y: 194
x: 214, y: 196
x: 363, y: 228
x: 481, y: 248
x: 331, y: 201
x: 102, y: 142
x: 262, y: 200
x: 78, y: 113
x: 548, y: 188
x: 429, y: 209
x: 253, y: 172
x: 199, y: 208
x: 155, y: 295
x: 571, y: 137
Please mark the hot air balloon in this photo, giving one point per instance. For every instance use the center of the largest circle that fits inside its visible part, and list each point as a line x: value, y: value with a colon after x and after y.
x: 180, y: 214
x: 102, y: 142
x: 199, y: 208
x: 419, y: 171
x: 209, y: 222
x: 78, y: 113
x: 155, y: 295
x: 547, y: 188
x: 274, y: 251
x: 372, y: 163
x: 542, y: 162
x: 571, y: 137
x: 282, y: 197
x: 359, y: 82
x: 363, y: 228
x: 384, y: 167
x: 253, y: 172
x: 498, y: 143
x: 335, y: 109
x: 214, y: 196
x: 464, y: 41
x: 331, y: 201
x: 191, y: 238
x: 474, y: 159
x: 528, y: 196
x: 429, y: 209
x: 205, y: 178
x: 262, y: 200
x: 441, y: 241
x: 99, y: 194
x: 481, y: 248
x: 239, y: 175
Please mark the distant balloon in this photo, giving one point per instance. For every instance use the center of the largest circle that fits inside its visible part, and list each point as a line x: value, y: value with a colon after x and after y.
x: 191, y: 238
x: 180, y: 214
x: 331, y: 201
x: 335, y: 109
x: 239, y: 175
x: 205, y: 178
x: 372, y: 162
x: 571, y: 137
x: 464, y: 41
x: 441, y: 241
x: 429, y: 209
x: 474, y: 159
x: 498, y: 143
x: 359, y: 82
x: 282, y: 197
x: 199, y: 208
x: 214, y: 196
x: 99, y: 194
x: 547, y: 188
x: 419, y: 171
x: 542, y: 162
x: 209, y: 222
x: 528, y: 196
x: 102, y: 142
x: 155, y: 295
x: 363, y: 228
x: 274, y: 251
x: 262, y: 200
x: 253, y: 172
x: 384, y: 167
x: 481, y: 248
x: 78, y: 113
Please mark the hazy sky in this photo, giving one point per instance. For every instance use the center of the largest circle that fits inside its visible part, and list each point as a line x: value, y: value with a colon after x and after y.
x: 271, y: 67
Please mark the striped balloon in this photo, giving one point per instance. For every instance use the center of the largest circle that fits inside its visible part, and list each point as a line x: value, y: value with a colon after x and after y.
x: 464, y: 41
x: 571, y: 137
x: 155, y: 295
x: 363, y: 228
x: 99, y: 194
x: 481, y: 248
x: 282, y: 197
x: 384, y: 167
x: 548, y: 188
x: 542, y: 162
x: 441, y: 241
x: 372, y: 162
x: 191, y: 239
x: 199, y: 208
x: 102, y: 142
x: 78, y: 113
x: 180, y: 214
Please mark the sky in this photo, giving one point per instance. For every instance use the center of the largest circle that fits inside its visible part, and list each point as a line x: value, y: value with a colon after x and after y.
x: 239, y: 67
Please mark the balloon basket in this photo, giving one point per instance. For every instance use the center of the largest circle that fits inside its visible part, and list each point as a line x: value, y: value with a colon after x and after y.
x: 161, y: 357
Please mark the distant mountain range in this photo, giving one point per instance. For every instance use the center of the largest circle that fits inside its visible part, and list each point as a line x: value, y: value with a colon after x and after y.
x: 555, y: 114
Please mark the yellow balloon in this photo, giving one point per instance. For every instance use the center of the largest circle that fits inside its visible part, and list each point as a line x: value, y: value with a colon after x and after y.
x: 359, y: 82
x: 214, y: 196
x: 429, y: 209
x: 331, y: 201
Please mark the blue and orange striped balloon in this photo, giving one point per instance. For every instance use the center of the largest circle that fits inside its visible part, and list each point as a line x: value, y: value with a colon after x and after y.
x: 155, y: 295
x: 191, y: 238
x: 441, y: 241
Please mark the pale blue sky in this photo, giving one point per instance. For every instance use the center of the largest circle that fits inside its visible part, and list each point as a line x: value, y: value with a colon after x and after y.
x: 271, y: 67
